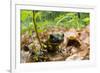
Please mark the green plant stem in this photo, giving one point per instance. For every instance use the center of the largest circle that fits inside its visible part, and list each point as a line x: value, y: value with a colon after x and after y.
x: 35, y: 26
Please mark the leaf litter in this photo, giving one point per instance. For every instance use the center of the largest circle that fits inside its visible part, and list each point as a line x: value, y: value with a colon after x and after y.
x: 58, y: 44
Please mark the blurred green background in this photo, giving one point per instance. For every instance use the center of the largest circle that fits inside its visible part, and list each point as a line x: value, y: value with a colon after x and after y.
x: 46, y: 19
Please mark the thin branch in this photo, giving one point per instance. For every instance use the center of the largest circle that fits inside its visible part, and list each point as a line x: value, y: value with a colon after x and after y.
x: 35, y: 26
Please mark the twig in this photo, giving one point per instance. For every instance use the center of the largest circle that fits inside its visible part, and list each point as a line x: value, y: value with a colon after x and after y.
x: 35, y: 26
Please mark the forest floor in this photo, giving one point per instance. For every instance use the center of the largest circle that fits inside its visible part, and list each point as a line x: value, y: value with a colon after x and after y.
x: 56, y: 44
